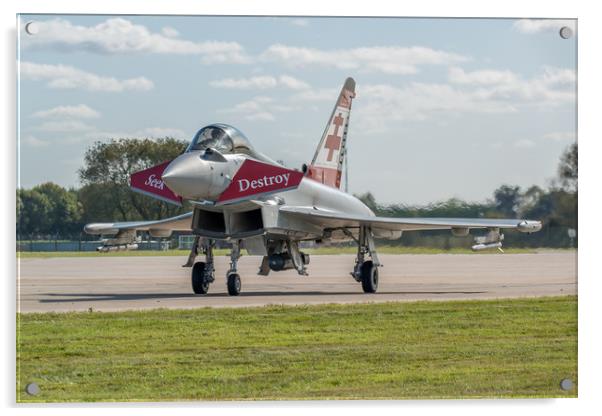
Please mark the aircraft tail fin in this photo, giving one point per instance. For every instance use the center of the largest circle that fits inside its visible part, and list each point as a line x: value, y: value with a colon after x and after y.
x: 327, y: 164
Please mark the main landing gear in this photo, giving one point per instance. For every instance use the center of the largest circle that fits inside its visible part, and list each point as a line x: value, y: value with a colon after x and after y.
x: 366, y: 271
x: 203, y: 273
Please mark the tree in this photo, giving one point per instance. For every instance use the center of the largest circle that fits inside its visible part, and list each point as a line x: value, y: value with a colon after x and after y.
x: 33, y: 217
x: 106, y: 172
x: 567, y: 169
x: 48, y: 209
x: 507, y: 200
x: 530, y: 199
x: 369, y: 200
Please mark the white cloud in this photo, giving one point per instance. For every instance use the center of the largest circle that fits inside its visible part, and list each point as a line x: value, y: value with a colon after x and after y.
x: 259, y: 108
x: 292, y: 83
x: 68, y: 111
x: 485, y: 91
x: 560, y: 136
x: 256, y: 104
x: 68, y: 77
x: 524, y: 144
x: 260, y: 82
x: 148, y: 132
x: 157, y: 132
x: 121, y: 36
x: 477, y: 92
x: 170, y: 32
x: 33, y: 141
x: 554, y: 75
x: 481, y: 77
x: 323, y: 94
x: 552, y: 87
x: 383, y: 104
x: 530, y: 26
x: 245, y: 83
x: 64, y: 126
x: 387, y: 59
x: 261, y: 116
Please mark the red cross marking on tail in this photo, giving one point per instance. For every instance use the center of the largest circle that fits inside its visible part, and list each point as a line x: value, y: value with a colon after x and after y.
x: 333, y: 141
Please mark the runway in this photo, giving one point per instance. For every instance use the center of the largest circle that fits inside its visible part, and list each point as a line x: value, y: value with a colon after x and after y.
x: 122, y: 283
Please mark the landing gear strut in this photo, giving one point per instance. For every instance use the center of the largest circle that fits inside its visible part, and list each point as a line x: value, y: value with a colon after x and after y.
x: 203, y: 273
x: 232, y: 278
x: 366, y: 271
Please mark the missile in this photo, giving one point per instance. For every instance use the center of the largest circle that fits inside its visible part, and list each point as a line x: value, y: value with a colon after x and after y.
x: 482, y: 246
x: 119, y: 247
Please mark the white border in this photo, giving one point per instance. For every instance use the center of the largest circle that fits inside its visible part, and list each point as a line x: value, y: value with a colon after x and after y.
x: 589, y: 114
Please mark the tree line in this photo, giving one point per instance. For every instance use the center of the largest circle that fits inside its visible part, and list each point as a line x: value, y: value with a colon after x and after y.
x: 555, y: 206
x: 50, y: 211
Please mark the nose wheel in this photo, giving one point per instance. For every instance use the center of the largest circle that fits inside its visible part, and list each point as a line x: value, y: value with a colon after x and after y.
x: 232, y: 278
x: 234, y: 284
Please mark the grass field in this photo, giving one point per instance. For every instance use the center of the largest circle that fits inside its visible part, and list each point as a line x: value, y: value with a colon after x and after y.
x: 222, y: 252
x: 502, y: 348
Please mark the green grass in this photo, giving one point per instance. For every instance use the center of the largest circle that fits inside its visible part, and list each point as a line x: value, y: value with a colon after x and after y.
x: 223, y: 252
x: 471, y: 349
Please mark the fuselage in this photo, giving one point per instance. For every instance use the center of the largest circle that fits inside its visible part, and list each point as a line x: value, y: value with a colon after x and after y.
x: 198, y: 178
x: 203, y: 177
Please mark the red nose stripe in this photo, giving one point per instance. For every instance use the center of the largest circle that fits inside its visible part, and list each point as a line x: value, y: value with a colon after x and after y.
x: 149, y: 182
x: 257, y: 178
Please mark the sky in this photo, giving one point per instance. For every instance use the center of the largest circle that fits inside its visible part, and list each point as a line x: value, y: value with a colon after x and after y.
x: 444, y: 107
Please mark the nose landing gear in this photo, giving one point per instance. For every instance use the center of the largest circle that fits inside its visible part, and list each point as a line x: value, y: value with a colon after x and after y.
x: 203, y: 273
x: 232, y: 278
x: 234, y: 284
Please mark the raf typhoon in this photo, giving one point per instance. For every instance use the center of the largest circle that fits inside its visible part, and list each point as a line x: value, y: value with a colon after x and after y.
x: 253, y: 202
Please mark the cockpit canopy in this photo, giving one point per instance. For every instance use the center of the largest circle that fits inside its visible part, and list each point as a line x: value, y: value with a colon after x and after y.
x: 221, y: 137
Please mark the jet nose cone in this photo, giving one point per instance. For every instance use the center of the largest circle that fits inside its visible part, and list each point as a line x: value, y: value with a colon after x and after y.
x: 186, y: 176
x: 171, y: 173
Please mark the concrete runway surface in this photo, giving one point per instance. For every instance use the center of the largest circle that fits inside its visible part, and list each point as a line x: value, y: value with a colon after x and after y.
x: 120, y: 283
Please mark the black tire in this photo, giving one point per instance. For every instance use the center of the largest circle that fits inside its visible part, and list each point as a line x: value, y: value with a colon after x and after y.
x: 369, y: 277
x: 234, y: 284
x: 200, y: 285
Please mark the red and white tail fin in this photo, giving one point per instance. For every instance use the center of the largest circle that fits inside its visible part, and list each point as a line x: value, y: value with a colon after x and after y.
x: 327, y: 164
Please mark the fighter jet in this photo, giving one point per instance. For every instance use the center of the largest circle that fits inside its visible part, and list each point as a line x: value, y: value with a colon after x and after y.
x: 253, y: 202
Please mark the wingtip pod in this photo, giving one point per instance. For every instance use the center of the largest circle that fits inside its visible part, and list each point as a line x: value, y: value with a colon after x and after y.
x: 529, y: 226
x: 99, y: 228
x: 483, y: 246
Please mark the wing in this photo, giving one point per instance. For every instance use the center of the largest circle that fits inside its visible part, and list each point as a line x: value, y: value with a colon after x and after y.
x: 178, y: 223
x: 337, y: 219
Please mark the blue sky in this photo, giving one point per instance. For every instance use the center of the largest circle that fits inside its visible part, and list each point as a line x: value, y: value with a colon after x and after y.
x: 444, y: 107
